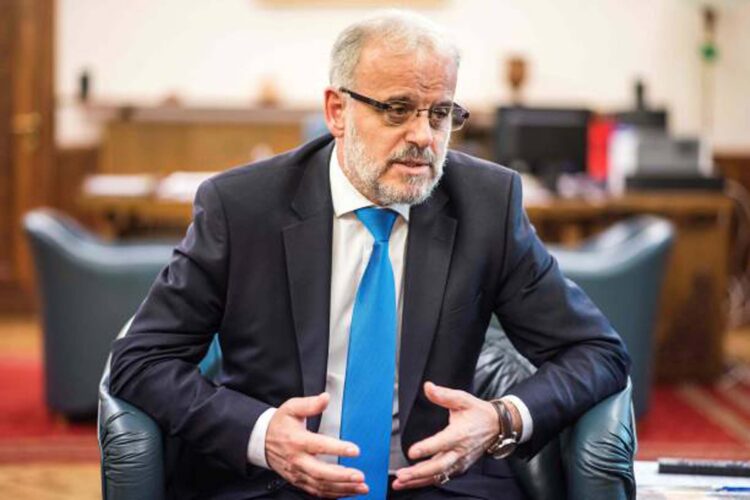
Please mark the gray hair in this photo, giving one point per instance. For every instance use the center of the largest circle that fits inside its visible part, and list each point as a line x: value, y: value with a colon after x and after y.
x: 401, y: 30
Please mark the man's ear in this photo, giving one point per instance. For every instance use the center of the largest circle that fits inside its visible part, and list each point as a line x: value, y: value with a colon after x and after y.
x: 334, y: 112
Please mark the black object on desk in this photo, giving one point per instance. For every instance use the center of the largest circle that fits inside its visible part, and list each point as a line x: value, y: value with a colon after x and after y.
x: 733, y: 468
x: 643, y: 182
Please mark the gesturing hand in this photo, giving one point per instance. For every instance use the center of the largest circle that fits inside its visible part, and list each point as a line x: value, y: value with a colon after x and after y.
x: 472, y: 426
x: 291, y: 451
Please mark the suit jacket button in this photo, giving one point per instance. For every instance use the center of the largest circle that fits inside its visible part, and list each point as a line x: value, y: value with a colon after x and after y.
x: 275, y: 484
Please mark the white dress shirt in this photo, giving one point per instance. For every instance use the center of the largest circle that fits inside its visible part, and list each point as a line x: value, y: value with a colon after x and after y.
x: 351, y: 248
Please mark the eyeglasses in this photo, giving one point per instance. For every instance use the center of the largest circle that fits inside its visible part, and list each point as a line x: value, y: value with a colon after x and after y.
x: 441, y: 117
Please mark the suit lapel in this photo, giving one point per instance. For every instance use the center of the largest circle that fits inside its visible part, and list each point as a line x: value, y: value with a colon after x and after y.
x: 307, y: 246
x: 428, y: 256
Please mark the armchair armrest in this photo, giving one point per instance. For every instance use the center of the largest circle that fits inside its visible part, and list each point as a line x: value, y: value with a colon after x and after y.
x: 131, y: 444
x: 600, y: 449
x: 131, y: 449
x: 591, y: 459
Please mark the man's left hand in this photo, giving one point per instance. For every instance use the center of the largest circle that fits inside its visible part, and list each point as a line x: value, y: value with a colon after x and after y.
x: 473, y: 425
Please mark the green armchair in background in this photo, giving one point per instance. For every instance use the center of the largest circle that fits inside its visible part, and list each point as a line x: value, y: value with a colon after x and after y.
x: 87, y: 289
x: 622, y: 269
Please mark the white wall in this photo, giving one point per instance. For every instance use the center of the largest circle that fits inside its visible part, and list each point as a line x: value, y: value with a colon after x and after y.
x: 581, y: 52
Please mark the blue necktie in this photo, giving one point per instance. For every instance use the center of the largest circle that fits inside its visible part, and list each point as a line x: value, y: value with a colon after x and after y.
x: 367, y: 408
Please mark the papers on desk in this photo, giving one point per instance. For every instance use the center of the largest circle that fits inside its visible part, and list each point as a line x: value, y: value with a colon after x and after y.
x: 181, y: 186
x: 119, y: 185
x: 533, y: 190
x: 177, y: 186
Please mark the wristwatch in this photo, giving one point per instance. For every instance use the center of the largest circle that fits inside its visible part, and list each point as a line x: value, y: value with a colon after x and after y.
x: 507, y: 441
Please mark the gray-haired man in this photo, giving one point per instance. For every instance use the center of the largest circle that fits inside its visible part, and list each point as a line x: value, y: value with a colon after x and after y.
x: 351, y: 282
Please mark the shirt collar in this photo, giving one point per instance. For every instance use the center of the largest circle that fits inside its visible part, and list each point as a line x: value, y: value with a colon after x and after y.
x: 345, y: 196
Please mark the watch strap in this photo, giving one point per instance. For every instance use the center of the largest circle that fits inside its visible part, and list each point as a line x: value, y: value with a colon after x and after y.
x: 508, y: 437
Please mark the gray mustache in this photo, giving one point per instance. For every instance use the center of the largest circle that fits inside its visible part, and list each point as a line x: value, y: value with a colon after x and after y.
x: 413, y: 153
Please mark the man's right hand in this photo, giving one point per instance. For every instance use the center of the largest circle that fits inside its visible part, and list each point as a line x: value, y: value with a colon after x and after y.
x: 291, y: 451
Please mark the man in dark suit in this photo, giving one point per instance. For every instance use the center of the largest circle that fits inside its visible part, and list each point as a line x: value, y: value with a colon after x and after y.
x: 351, y: 282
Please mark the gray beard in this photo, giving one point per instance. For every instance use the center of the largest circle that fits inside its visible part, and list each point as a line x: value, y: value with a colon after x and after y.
x: 365, y: 173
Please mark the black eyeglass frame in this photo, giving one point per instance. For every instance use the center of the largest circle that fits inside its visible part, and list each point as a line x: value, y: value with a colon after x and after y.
x: 458, y: 113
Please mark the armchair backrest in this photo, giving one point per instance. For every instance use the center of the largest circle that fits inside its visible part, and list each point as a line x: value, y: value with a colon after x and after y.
x: 86, y: 287
x: 622, y: 270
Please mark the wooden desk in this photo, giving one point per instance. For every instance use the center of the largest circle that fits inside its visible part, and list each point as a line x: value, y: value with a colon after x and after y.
x: 693, y: 317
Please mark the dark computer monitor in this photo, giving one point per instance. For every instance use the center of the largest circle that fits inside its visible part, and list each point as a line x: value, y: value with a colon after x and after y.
x: 545, y: 142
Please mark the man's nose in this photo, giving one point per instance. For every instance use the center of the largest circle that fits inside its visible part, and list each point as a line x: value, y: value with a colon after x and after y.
x: 419, y: 132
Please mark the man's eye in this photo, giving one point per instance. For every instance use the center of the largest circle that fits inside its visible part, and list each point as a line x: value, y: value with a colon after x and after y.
x: 441, y: 113
x: 399, y: 110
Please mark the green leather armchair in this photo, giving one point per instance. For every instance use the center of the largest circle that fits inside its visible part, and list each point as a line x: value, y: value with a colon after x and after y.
x: 622, y: 269
x: 87, y: 289
x: 593, y: 459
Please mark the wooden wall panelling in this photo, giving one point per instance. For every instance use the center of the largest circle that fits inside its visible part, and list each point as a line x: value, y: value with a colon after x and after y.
x: 7, y: 14
x: 28, y: 171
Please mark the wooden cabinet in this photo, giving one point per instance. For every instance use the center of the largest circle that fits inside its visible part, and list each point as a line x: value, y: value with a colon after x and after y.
x: 161, y: 140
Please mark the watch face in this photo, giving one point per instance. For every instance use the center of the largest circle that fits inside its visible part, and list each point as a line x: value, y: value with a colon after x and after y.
x: 507, y: 446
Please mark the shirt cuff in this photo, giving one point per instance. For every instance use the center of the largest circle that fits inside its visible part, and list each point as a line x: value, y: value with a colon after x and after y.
x: 526, y: 420
x: 256, y: 447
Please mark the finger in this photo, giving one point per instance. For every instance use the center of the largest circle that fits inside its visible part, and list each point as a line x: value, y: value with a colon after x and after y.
x: 324, y: 472
x: 417, y: 483
x: 307, y: 407
x: 330, y: 490
x: 428, y: 469
x: 442, y: 441
x: 452, y: 399
x: 334, y: 490
x: 318, y: 444
x: 338, y: 490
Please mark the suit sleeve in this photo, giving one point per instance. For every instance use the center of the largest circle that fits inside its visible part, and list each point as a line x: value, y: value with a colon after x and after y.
x: 155, y: 365
x: 551, y: 321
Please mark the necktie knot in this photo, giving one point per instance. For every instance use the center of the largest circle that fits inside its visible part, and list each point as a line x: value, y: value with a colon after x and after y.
x: 379, y: 221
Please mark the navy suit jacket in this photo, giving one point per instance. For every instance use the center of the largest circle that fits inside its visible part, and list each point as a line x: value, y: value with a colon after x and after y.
x: 255, y: 266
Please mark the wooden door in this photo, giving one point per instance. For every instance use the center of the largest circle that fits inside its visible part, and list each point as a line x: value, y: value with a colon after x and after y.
x: 26, y: 136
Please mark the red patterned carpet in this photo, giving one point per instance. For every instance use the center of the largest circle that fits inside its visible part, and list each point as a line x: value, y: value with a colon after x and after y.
x: 28, y: 432
x: 691, y: 421
x: 698, y: 421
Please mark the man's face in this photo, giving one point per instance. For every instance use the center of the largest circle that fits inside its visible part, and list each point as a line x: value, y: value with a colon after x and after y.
x: 396, y: 164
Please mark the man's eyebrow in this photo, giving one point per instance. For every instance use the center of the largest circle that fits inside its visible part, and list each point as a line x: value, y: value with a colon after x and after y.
x: 409, y: 99
x: 401, y: 98
x: 443, y: 103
